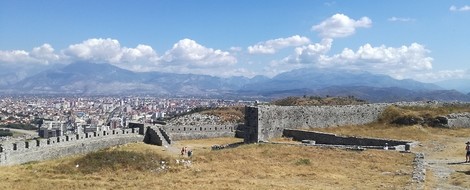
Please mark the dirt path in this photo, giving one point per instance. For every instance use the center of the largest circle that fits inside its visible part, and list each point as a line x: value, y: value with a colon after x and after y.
x: 445, y: 163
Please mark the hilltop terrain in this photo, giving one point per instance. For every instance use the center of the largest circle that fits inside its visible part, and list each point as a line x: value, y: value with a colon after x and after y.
x: 317, y: 101
x: 277, y: 166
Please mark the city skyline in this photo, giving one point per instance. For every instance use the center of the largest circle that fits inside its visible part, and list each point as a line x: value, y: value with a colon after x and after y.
x: 416, y: 40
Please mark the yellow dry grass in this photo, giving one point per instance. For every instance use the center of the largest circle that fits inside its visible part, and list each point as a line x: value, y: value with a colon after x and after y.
x: 392, y: 113
x: 390, y: 131
x: 317, y: 101
x: 228, y: 114
x: 444, y: 148
x: 255, y: 166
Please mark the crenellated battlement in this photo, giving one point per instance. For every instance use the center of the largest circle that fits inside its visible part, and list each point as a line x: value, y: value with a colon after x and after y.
x: 55, y: 147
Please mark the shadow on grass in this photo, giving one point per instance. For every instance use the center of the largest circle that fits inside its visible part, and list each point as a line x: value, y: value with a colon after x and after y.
x: 455, y: 163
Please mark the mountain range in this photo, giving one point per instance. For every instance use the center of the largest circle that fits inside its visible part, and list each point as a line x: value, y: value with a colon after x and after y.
x: 84, y: 78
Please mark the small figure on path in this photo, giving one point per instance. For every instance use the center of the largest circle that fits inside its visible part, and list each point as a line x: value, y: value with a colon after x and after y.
x: 468, y: 152
x: 183, y: 151
x: 190, y: 153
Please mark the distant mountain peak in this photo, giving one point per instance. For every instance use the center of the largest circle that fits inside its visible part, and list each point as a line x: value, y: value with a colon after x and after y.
x: 107, y: 79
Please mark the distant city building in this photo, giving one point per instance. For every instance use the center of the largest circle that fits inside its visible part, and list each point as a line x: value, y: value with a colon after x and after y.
x: 52, y: 129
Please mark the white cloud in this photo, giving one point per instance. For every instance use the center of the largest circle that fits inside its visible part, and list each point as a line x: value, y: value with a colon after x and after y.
x: 99, y: 50
x: 186, y: 56
x: 271, y: 46
x: 310, y: 53
x: 110, y: 51
x: 400, y: 19
x: 397, y: 62
x: 340, y: 25
x: 43, y: 55
x: 141, y: 52
x: 188, y: 52
x: 463, y: 8
x: 14, y: 56
x: 236, y: 49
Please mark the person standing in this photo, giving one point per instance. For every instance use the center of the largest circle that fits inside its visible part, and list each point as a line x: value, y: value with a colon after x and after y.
x: 467, y: 159
x: 183, y: 151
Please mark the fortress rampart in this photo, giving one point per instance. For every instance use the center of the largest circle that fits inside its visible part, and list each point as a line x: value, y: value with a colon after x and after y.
x: 458, y: 120
x: 56, y: 147
x: 267, y: 121
x: 261, y: 124
x: 186, y: 132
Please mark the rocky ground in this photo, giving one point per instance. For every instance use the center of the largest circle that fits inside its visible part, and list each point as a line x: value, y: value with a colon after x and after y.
x: 445, y: 163
x: 197, y: 119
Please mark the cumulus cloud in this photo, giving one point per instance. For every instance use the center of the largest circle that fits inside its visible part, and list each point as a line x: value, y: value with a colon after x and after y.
x: 394, y: 61
x: 271, y: 46
x: 110, y: 51
x: 397, y: 62
x: 400, y: 19
x: 98, y: 50
x: 189, y: 53
x: 340, y: 25
x: 463, y: 8
x: 43, y: 55
x: 310, y: 53
x: 186, y: 56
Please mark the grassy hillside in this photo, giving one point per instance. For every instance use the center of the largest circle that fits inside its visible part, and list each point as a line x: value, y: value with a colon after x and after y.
x: 255, y: 166
x: 317, y: 101
x: 419, y: 112
x: 228, y: 114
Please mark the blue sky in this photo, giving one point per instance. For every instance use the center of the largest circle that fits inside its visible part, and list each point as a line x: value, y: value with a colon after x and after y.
x: 423, y: 40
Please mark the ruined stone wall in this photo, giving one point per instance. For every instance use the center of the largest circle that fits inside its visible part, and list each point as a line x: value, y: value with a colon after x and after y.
x: 266, y: 121
x: 251, y: 130
x: 458, y: 120
x: 56, y: 147
x: 186, y: 132
x: 272, y: 120
x: 333, y: 139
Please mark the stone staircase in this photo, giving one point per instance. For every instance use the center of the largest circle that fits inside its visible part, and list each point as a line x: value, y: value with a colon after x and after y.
x: 157, y: 136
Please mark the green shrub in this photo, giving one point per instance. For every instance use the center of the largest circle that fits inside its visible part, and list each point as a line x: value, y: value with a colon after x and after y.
x: 19, y: 126
x: 5, y: 132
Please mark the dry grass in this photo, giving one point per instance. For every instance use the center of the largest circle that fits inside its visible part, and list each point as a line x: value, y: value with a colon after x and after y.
x: 317, y: 101
x: 228, y: 114
x: 392, y: 113
x: 255, y: 166
x: 384, y: 129
x: 460, y: 178
x: 390, y: 131
x: 442, y: 147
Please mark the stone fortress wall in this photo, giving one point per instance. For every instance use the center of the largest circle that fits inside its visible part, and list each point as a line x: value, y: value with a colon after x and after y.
x: 261, y: 124
x: 187, y: 132
x: 266, y: 121
x: 56, y: 147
